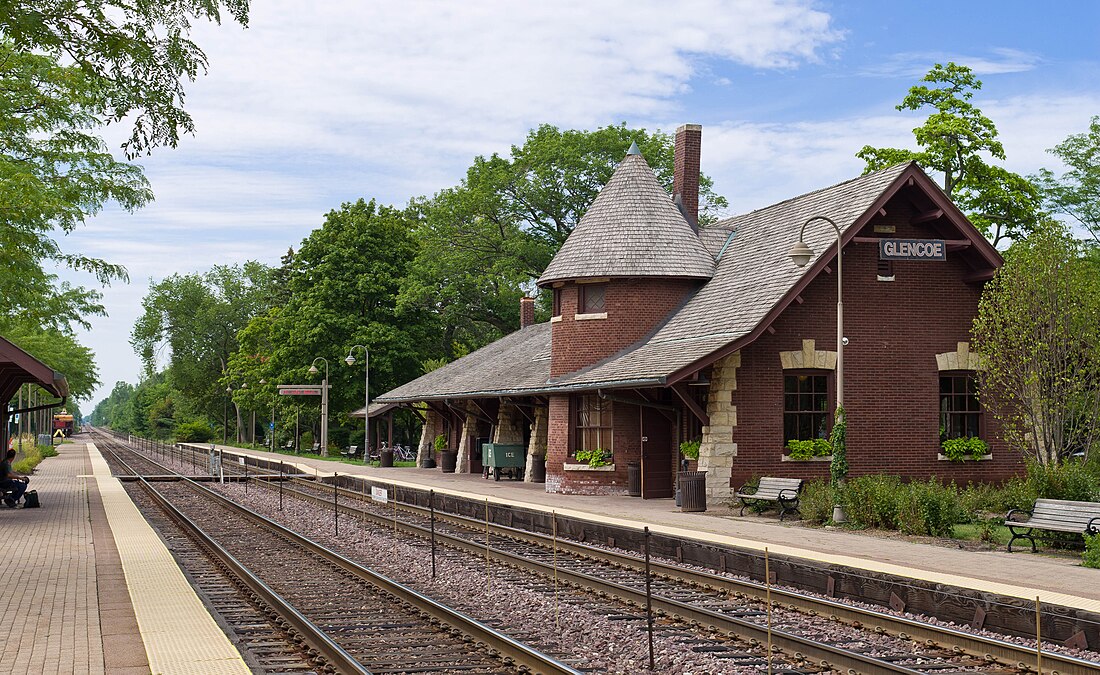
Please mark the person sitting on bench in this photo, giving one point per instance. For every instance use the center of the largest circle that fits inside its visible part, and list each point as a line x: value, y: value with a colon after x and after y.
x: 11, y: 481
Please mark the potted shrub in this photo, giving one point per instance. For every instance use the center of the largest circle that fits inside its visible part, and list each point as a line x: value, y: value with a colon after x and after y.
x: 802, y: 451
x: 447, y: 458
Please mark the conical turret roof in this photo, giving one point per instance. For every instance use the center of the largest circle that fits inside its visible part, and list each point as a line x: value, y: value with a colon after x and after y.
x: 632, y: 229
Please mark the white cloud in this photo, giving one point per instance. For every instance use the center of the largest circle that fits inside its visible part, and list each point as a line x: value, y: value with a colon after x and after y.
x: 999, y: 61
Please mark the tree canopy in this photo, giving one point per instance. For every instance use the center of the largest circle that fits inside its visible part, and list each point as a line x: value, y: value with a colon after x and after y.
x: 1076, y: 193
x: 954, y: 141
x: 1038, y: 331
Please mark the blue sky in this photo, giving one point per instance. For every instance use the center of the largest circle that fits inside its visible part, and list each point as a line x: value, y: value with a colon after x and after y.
x: 320, y: 103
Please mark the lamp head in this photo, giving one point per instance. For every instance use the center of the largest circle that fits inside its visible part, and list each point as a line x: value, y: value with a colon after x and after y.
x: 244, y: 386
x: 263, y: 380
x: 350, y: 360
x: 801, y: 254
x: 313, y: 370
x: 229, y: 389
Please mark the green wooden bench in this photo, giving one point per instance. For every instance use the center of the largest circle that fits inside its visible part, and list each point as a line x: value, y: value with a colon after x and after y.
x: 1053, y: 515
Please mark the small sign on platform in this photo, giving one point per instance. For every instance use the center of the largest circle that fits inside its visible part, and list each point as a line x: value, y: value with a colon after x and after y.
x: 379, y: 494
x: 912, y: 249
x: 299, y: 391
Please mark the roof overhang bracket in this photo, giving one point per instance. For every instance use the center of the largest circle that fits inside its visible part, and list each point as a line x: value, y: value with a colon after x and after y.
x: 681, y: 391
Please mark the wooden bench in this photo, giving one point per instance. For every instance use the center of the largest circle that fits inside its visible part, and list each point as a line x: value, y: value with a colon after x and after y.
x: 781, y: 492
x: 1053, y: 515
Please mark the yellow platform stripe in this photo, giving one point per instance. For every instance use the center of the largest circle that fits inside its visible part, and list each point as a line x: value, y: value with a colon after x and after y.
x: 179, y: 634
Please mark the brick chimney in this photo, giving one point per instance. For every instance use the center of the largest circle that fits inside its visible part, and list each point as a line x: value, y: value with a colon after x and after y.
x: 685, y: 179
x: 526, y: 312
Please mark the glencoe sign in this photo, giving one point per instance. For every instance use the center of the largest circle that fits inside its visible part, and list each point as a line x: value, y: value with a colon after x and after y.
x: 911, y: 249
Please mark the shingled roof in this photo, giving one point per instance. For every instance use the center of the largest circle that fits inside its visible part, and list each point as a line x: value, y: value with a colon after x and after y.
x: 632, y: 229
x: 753, y: 275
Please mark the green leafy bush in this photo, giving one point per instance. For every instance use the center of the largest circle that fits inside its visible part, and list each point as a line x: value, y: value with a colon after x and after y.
x: 803, y: 450
x: 816, y: 504
x: 838, y: 469
x: 594, y: 458
x: 1092, y: 551
x: 440, y: 443
x: 871, y: 501
x: 958, y: 449
x: 1071, y: 480
x: 305, y: 441
x: 690, y: 449
x: 194, y: 432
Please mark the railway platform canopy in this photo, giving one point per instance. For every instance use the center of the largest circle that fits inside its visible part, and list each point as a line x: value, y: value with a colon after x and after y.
x: 17, y: 368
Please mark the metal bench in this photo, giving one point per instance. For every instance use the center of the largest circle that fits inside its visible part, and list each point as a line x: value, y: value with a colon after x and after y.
x: 352, y: 451
x: 1053, y: 515
x: 781, y: 492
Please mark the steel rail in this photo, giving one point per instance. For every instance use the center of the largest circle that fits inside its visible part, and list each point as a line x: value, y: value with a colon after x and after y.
x: 980, y: 646
x: 513, y: 652
x: 313, y: 635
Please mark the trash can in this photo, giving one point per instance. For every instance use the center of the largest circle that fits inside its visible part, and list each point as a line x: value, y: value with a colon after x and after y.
x: 538, y: 470
x: 448, y: 461
x: 429, y: 463
x: 634, y: 479
x: 385, y: 458
x: 693, y: 490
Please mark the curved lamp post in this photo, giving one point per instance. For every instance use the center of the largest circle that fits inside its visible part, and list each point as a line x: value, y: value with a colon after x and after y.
x: 801, y: 254
x: 324, y: 403
x: 225, y: 413
x: 350, y: 360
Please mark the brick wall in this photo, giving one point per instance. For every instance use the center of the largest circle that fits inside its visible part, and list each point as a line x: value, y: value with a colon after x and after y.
x: 634, y: 307
x: 626, y: 448
x: 686, y: 156
x: 891, y: 376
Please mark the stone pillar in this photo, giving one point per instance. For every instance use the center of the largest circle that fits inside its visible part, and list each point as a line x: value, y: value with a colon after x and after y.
x: 433, y: 426
x: 509, y: 426
x: 717, y: 449
x: 469, y: 428
x: 536, y: 449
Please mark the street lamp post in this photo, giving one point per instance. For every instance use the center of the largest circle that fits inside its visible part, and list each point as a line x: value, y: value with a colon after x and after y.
x: 801, y: 254
x: 324, y: 403
x: 225, y: 414
x: 350, y: 360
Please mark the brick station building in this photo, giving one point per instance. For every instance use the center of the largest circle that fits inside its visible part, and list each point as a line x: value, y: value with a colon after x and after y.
x: 664, y: 331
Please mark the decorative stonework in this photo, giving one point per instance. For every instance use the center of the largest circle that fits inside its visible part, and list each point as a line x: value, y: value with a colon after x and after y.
x: 808, y: 357
x: 433, y: 426
x: 960, y: 359
x: 717, y: 449
x: 509, y: 426
x: 536, y: 449
x: 469, y: 429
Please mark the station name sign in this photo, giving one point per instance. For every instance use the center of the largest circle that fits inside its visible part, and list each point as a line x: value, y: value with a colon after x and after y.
x: 912, y: 249
x: 299, y: 391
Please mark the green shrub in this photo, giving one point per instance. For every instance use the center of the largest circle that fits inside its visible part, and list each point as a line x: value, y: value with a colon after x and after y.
x: 928, y: 508
x: 816, y: 504
x: 958, y: 449
x: 803, y: 450
x: 1070, y: 479
x: 440, y: 443
x: 305, y: 441
x: 871, y: 501
x: 690, y: 449
x: 194, y: 432
x: 1092, y: 551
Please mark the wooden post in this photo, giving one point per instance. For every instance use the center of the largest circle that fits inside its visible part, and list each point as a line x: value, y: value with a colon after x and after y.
x: 648, y: 599
x: 431, y: 509
x: 768, y: 586
x: 1038, y: 636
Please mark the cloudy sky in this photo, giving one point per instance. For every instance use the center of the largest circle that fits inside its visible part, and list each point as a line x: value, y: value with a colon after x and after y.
x: 317, y: 103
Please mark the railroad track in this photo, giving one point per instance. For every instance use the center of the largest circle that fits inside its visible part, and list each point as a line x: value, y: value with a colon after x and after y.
x: 353, y: 619
x: 702, y: 597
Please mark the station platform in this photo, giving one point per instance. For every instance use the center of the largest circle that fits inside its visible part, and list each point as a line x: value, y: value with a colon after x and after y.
x: 1054, y: 579
x: 90, y: 588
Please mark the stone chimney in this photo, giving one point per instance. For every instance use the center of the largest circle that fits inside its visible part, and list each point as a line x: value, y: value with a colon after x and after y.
x: 526, y: 312
x: 685, y: 179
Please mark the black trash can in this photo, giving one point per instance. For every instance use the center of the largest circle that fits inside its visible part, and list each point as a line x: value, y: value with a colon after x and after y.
x: 429, y: 463
x: 538, y: 470
x: 385, y: 458
x: 693, y: 490
x: 448, y: 461
x: 634, y: 479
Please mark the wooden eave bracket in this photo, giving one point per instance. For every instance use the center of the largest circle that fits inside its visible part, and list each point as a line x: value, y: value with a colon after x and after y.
x: 680, y: 389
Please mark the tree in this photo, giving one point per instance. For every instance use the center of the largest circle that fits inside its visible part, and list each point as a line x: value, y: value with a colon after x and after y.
x: 1077, y: 192
x: 953, y: 142
x: 484, y: 241
x: 1038, y: 333
x: 197, y: 317
x: 60, y: 351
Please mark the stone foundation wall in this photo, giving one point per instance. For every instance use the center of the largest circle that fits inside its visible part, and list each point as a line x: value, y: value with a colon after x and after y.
x: 469, y: 432
x: 536, y: 449
x: 433, y: 426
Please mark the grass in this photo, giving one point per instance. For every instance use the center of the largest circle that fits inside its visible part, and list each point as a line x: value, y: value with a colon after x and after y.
x: 997, y: 534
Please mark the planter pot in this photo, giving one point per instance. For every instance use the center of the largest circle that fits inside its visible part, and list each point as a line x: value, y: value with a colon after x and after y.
x: 448, y: 461
x: 634, y: 479
x: 693, y: 489
x: 429, y: 463
x: 538, y: 470
x: 385, y: 458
